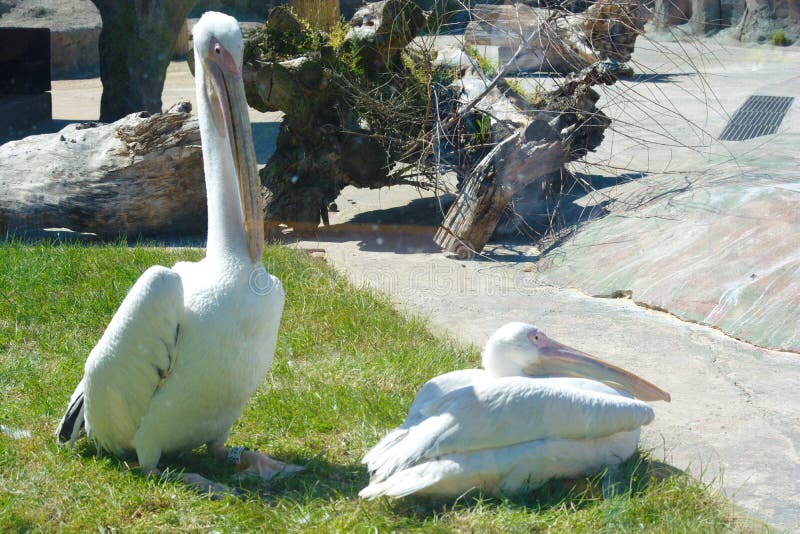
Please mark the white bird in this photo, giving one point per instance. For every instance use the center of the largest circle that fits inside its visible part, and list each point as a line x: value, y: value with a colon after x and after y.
x: 502, y: 430
x: 189, y: 345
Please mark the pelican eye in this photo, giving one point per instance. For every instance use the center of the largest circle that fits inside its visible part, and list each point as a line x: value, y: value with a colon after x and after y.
x: 217, y: 49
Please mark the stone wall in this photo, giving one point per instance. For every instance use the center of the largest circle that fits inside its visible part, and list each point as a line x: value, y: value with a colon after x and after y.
x: 750, y: 20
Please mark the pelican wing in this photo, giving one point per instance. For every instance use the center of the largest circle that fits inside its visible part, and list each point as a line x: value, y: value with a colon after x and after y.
x: 133, y: 357
x: 430, y: 392
x: 434, y: 389
x: 508, y: 411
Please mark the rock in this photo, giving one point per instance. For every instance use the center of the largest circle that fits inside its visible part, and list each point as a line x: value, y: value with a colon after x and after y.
x: 75, y: 52
x: 762, y: 18
x: 23, y: 114
x: 249, y: 10
x: 668, y: 13
x: 751, y: 20
x: 142, y: 175
x: 25, y: 103
x: 24, y: 61
x: 75, y: 27
x: 722, y: 252
x: 699, y: 17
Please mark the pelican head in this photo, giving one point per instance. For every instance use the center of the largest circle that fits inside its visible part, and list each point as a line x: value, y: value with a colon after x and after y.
x: 218, y: 48
x: 521, y: 349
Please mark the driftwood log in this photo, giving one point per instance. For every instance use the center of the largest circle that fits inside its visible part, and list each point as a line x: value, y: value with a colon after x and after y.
x: 516, y: 162
x: 557, y: 40
x: 139, y: 176
x: 327, y: 141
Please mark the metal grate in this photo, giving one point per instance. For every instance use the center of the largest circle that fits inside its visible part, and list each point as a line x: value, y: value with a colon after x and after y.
x: 759, y: 115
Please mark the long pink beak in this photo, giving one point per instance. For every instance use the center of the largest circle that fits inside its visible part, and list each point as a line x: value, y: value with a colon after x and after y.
x: 556, y: 359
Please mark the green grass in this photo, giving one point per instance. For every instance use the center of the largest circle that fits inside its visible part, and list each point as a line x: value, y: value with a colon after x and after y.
x: 489, y: 67
x: 778, y: 38
x: 346, y: 369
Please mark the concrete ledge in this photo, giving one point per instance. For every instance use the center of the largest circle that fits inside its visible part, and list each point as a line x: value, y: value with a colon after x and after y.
x: 74, y: 52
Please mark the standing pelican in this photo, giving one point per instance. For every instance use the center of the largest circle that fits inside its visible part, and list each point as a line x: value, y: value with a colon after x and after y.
x: 502, y: 430
x: 189, y: 345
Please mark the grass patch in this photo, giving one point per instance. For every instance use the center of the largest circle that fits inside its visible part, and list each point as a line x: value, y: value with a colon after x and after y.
x: 489, y: 67
x: 346, y: 369
x: 778, y: 38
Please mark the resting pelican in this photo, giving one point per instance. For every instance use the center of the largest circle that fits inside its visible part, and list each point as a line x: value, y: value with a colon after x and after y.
x: 502, y: 430
x: 189, y: 345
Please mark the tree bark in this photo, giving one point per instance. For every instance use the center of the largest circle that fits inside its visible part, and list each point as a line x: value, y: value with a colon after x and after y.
x: 136, y: 44
x: 474, y: 215
x: 322, y: 144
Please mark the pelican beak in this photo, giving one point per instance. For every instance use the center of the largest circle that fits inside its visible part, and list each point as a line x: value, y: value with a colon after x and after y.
x: 233, y: 103
x: 556, y: 359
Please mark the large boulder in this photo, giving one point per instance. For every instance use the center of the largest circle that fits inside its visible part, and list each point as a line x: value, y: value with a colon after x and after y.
x: 721, y: 252
x: 763, y: 17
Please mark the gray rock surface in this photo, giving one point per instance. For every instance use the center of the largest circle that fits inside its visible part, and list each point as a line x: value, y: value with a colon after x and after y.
x: 75, y: 27
x: 721, y: 251
x: 749, y: 20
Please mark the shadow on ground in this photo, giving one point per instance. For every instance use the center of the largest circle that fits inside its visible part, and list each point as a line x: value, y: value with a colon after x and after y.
x: 637, y: 474
x: 320, y: 479
x: 530, y: 219
x: 648, y: 77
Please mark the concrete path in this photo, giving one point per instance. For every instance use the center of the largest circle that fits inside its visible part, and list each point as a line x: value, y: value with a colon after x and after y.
x: 735, y: 415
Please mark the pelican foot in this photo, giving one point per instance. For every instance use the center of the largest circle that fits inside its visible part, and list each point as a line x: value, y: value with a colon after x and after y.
x: 258, y: 464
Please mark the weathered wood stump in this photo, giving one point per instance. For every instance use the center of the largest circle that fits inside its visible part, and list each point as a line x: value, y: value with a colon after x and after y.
x: 517, y: 161
x: 136, y: 44
x: 557, y: 40
x: 142, y: 175
x: 565, y: 124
